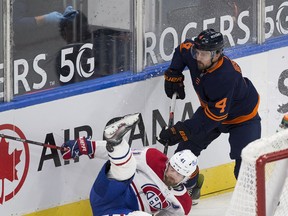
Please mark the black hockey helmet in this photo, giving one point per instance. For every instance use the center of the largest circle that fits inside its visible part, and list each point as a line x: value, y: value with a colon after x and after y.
x: 209, y: 40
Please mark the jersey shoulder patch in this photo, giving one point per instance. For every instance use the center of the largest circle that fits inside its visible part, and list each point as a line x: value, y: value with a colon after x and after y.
x: 234, y: 64
x: 156, y: 160
x: 186, y: 45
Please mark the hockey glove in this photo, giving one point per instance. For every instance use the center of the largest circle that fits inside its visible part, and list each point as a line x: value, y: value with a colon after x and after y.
x: 76, y: 148
x: 174, y: 82
x: 177, y: 133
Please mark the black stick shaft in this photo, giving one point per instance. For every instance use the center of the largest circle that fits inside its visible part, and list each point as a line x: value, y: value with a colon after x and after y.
x: 31, y: 142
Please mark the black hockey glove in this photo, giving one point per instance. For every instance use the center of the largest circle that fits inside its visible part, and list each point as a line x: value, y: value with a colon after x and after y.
x: 174, y: 82
x: 177, y: 133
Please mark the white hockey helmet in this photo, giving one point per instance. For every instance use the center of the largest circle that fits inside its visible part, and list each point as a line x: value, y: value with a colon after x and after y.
x: 184, y: 162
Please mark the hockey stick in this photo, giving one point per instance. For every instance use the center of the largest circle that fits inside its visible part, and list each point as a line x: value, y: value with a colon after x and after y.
x: 32, y: 142
x: 171, y: 118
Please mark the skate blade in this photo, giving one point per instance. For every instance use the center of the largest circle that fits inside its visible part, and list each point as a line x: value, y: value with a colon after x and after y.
x: 194, y: 203
x: 127, y: 121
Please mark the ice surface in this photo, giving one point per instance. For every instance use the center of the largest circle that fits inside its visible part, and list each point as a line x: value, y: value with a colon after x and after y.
x: 212, y: 206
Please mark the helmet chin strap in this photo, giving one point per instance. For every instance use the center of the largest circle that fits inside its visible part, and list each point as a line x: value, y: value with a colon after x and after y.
x: 212, y: 56
x: 212, y: 63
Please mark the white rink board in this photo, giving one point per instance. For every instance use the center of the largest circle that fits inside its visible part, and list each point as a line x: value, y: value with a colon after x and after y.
x: 53, y: 186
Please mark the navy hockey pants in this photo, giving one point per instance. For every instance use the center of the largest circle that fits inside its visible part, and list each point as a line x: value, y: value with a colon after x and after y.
x: 240, y: 135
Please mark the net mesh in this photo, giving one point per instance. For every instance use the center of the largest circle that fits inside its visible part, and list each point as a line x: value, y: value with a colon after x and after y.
x: 244, y: 198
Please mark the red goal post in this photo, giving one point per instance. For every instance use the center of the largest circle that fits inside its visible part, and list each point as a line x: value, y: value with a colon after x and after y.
x: 262, y: 184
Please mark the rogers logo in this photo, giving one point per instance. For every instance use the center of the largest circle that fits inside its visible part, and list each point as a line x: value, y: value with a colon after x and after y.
x: 14, y: 163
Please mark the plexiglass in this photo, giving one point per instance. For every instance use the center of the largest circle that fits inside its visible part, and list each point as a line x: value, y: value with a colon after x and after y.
x: 58, y: 42
x: 169, y: 22
x: 1, y: 54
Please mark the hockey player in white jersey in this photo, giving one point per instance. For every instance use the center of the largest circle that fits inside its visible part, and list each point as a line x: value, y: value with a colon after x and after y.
x: 141, y: 182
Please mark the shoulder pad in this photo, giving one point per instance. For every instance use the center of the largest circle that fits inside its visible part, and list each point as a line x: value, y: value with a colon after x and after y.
x: 234, y: 64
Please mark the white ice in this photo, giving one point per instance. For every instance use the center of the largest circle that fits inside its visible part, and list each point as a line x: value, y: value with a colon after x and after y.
x: 212, y: 206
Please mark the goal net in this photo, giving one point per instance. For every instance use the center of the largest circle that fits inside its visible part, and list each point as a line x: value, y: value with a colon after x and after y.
x: 262, y: 184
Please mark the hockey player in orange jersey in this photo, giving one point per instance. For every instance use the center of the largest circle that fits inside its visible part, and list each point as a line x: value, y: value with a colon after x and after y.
x: 229, y: 102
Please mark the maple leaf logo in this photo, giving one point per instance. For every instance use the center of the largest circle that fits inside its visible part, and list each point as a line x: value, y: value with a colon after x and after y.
x: 8, y: 163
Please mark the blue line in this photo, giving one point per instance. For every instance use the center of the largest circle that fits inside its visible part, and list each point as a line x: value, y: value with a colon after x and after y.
x: 128, y: 77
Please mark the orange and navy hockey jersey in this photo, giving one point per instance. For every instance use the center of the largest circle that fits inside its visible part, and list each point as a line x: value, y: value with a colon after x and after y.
x: 226, y: 97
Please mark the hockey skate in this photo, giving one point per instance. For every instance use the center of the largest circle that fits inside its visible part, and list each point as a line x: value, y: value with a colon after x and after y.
x: 194, y: 192
x: 116, y: 128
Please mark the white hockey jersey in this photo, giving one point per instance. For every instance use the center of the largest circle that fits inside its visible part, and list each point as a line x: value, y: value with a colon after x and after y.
x: 152, y: 195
